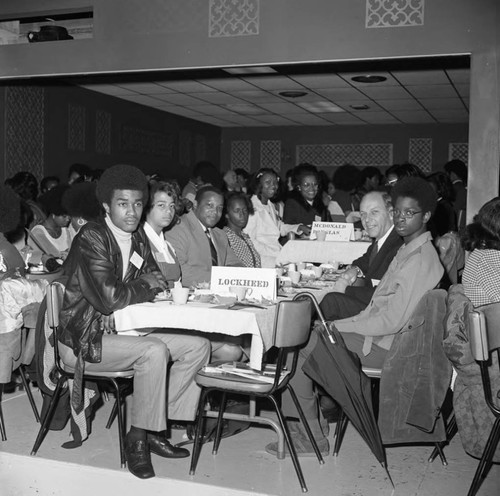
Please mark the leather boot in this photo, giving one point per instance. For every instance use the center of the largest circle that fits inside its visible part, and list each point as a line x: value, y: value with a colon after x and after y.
x: 138, y: 458
x: 159, y: 445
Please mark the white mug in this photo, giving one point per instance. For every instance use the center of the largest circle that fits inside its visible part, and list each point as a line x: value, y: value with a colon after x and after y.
x: 180, y: 295
x: 241, y: 292
x: 294, y: 276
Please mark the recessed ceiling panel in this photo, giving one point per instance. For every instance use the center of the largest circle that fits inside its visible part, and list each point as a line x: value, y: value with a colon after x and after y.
x: 401, y: 104
x: 178, y: 99
x: 432, y: 91
x: 143, y: 88
x: 414, y: 117
x: 186, y: 86
x: 274, y: 83
x: 325, y: 81
x: 421, y: 77
x: 384, y: 92
x: 341, y: 94
x: 228, y: 84
x: 442, y: 103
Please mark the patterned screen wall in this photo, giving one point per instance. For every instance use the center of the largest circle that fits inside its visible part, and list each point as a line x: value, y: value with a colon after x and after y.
x: 233, y: 18
x: 103, y: 132
x: 394, y: 13
x: 270, y: 154
x: 137, y: 140
x: 77, y: 123
x: 24, y: 130
x: 420, y: 153
x: 459, y: 151
x: 376, y: 154
x: 240, y: 154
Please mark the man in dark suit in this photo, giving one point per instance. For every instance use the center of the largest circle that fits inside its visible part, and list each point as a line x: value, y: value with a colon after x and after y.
x: 363, y: 275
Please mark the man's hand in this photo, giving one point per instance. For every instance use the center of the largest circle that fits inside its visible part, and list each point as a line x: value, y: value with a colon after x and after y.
x: 155, y: 279
x: 350, y: 275
x: 107, y: 324
x: 306, y: 230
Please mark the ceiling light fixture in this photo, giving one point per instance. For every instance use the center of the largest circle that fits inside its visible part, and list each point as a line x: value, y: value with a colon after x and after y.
x: 369, y: 78
x: 320, y: 107
x: 292, y: 94
x: 359, y: 107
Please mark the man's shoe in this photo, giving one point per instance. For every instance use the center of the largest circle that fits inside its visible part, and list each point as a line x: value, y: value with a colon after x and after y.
x: 161, y: 447
x: 303, y: 447
x: 139, y: 459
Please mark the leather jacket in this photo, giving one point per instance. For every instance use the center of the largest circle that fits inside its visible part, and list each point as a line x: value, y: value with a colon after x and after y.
x: 95, y: 286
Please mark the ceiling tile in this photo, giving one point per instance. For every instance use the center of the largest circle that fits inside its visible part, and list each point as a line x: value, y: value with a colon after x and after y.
x: 459, y: 76
x: 212, y: 110
x: 228, y: 84
x: 414, y: 117
x: 109, y: 89
x: 379, y: 118
x: 283, y: 107
x: 341, y: 94
x: 143, y: 88
x: 459, y: 115
x: 308, y: 119
x: 463, y: 90
x: 186, y: 86
x: 402, y: 104
x: 442, y: 103
x: 432, y: 91
x: 217, y: 98
x: 321, y: 81
x: 421, y: 77
x: 347, y: 119
x: 277, y: 83
x: 257, y: 96
x: 178, y: 99
x: 174, y: 109
x: 276, y: 120
x: 385, y: 92
x: 372, y: 106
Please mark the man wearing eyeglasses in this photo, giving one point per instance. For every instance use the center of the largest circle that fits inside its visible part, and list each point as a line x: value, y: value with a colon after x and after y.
x: 415, y: 269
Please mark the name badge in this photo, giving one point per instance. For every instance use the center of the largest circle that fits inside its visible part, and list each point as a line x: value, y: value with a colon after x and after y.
x: 136, y: 260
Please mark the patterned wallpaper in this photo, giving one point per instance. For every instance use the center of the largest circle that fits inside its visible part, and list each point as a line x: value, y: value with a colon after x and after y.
x: 394, y: 13
x: 142, y: 141
x: 24, y: 130
x: 420, y: 153
x: 459, y: 151
x: 240, y: 154
x: 270, y: 154
x: 233, y: 18
x: 103, y: 132
x: 362, y: 154
x: 77, y: 120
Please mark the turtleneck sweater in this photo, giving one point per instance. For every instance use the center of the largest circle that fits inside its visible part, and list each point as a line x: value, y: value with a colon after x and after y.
x: 124, y: 240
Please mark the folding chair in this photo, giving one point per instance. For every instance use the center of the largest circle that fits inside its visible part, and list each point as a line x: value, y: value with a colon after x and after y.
x: 484, y: 338
x: 292, y: 327
x: 55, y: 293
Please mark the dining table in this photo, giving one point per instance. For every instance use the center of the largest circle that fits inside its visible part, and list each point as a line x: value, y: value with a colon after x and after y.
x: 314, y: 251
x: 236, y: 319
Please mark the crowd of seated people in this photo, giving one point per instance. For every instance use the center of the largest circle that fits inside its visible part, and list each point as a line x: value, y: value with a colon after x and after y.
x: 142, y: 236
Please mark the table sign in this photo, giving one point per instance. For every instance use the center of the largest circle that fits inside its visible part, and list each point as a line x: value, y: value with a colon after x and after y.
x: 261, y: 282
x: 335, y: 231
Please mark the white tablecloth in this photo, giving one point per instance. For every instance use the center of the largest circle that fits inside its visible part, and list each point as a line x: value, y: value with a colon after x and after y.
x: 321, y: 251
x: 208, y: 318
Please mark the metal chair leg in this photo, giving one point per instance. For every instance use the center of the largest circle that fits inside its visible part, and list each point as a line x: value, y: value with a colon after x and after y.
x: 306, y: 425
x: 290, y: 445
x: 218, y: 432
x: 27, y: 388
x: 3, y: 434
x: 198, y: 433
x: 121, y: 423
x: 112, y: 415
x: 451, y: 430
x: 486, y: 460
x: 48, y: 416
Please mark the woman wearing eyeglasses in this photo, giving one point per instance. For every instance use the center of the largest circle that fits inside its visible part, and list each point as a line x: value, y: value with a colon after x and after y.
x: 161, y: 212
x: 304, y: 205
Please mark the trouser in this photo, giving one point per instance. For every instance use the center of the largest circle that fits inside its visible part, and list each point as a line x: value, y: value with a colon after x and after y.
x: 148, y: 356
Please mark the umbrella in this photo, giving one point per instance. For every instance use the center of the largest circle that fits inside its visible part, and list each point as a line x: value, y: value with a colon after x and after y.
x: 338, y: 371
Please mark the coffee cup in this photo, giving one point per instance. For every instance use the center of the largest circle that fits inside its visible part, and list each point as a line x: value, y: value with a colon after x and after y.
x: 180, y: 295
x: 321, y: 236
x: 279, y: 271
x: 335, y: 265
x: 240, y: 291
x: 291, y: 267
x: 301, y: 266
x: 294, y: 276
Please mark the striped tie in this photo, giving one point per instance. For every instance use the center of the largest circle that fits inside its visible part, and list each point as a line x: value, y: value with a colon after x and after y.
x: 213, y: 251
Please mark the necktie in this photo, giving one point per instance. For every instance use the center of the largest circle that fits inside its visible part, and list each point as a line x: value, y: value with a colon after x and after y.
x: 373, y: 253
x: 213, y: 251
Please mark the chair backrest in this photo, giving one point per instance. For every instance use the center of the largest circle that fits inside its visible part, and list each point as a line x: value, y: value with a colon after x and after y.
x: 484, y: 335
x: 292, y: 323
x: 55, y: 294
